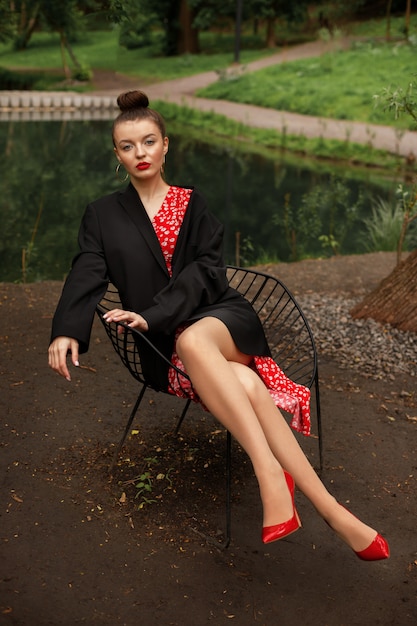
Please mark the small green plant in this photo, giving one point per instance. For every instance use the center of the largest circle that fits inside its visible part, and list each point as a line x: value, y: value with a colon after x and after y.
x: 144, y: 483
x: 401, y: 101
x: 386, y: 228
x: 408, y: 203
x: 29, y: 251
x: 144, y: 489
x: 82, y: 74
x: 329, y: 242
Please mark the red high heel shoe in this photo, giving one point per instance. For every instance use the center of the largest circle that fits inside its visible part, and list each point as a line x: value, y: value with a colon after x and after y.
x: 376, y: 551
x: 278, y: 531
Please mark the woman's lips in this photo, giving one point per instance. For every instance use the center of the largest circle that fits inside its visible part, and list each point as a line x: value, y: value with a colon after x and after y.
x: 143, y: 166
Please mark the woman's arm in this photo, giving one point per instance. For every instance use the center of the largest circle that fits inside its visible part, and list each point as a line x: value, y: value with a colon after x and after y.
x: 200, y: 280
x: 84, y: 287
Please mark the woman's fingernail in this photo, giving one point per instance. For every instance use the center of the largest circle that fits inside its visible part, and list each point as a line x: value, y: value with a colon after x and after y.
x: 77, y: 363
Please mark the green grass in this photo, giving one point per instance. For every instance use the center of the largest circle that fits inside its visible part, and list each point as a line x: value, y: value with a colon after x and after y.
x: 378, y: 27
x: 215, y: 126
x: 340, y: 84
x: 101, y: 50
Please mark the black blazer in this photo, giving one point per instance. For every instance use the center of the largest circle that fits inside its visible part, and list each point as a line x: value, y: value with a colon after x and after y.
x: 118, y: 244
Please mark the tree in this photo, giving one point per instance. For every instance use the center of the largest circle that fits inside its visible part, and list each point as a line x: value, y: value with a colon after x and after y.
x: 50, y: 14
x: 394, y: 301
x: 139, y: 18
x: 7, y: 21
x: 388, y: 30
x: 64, y: 18
x: 407, y: 19
x: 271, y: 10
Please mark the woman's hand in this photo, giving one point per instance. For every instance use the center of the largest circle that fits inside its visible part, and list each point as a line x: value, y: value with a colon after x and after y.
x: 57, y: 355
x: 134, y: 320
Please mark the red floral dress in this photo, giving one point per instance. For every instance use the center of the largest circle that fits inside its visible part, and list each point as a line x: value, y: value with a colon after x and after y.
x: 287, y: 395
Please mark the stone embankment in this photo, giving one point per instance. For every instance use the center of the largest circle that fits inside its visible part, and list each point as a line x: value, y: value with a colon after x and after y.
x: 46, y: 105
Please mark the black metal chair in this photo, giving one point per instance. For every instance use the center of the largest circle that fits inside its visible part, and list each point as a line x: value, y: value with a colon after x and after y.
x: 287, y: 330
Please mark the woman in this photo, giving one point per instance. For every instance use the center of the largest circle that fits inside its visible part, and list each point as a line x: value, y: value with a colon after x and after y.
x: 162, y: 249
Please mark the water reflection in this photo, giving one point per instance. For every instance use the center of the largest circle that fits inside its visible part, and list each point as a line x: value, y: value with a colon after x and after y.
x: 50, y: 170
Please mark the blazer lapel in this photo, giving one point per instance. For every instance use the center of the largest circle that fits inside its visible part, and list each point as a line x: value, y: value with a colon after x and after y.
x: 132, y: 204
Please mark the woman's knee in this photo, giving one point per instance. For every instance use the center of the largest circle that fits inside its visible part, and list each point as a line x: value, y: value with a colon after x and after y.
x: 248, y: 379
x: 189, y: 342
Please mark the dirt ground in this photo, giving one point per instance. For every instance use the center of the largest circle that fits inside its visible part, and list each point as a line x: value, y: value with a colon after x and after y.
x: 81, y: 547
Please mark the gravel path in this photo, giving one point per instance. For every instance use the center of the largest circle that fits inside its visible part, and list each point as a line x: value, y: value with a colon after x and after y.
x: 327, y: 289
x: 373, y: 350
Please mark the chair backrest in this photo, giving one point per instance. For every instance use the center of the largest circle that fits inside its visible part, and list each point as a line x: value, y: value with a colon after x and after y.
x: 121, y: 336
x: 129, y: 342
x: 287, y: 330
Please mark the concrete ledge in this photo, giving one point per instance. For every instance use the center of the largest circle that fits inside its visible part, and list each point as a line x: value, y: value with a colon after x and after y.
x: 52, y: 105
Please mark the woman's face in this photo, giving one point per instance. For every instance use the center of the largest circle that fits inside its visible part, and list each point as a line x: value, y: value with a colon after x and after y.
x: 140, y: 148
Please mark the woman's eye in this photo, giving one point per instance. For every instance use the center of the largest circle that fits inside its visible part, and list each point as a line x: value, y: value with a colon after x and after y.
x: 126, y: 147
x: 150, y: 142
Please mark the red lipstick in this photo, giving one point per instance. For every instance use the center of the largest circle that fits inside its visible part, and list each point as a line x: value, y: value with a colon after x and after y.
x: 143, y: 166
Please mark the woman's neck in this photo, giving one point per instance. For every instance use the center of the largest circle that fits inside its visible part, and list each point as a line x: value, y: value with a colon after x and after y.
x: 148, y: 190
x: 152, y: 194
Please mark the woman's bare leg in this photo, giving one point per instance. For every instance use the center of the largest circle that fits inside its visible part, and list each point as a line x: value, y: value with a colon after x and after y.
x: 207, y: 349
x: 240, y: 401
x: 291, y: 456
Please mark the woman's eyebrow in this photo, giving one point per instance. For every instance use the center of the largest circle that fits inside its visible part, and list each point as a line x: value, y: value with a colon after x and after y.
x: 132, y: 141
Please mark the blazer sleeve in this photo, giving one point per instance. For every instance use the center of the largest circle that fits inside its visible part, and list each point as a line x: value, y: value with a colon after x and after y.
x: 85, y: 285
x: 199, y: 275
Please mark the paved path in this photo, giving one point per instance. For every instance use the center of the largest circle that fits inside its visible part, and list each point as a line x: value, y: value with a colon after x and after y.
x: 101, y: 104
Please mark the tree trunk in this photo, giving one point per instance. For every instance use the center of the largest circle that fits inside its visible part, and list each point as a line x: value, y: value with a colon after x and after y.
x: 187, y: 35
x: 67, y: 71
x: 27, y: 26
x: 71, y: 53
x: 270, y: 33
x: 394, y: 301
x: 407, y: 19
x: 388, y: 31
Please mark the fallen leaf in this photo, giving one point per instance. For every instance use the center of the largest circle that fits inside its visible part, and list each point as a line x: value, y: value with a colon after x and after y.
x: 85, y: 367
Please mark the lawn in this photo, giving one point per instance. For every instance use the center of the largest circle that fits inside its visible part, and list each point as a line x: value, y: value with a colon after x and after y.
x: 339, y: 84
x: 101, y: 50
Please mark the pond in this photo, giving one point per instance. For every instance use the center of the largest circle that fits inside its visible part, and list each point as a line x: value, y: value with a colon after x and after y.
x: 273, y: 208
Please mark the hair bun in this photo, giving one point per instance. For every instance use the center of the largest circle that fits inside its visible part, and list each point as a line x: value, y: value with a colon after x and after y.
x: 132, y: 100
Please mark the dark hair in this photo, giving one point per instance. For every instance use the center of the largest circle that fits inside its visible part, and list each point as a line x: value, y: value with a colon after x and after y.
x: 134, y: 105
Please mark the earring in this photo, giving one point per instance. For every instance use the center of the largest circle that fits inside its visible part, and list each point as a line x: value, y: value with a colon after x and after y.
x: 117, y: 174
x: 163, y: 165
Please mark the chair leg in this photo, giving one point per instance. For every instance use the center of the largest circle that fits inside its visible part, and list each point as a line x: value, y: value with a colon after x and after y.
x: 222, y: 545
x: 128, y: 425
x: 183, y: 414
x: 319, y: 426
x: 228, y: 489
